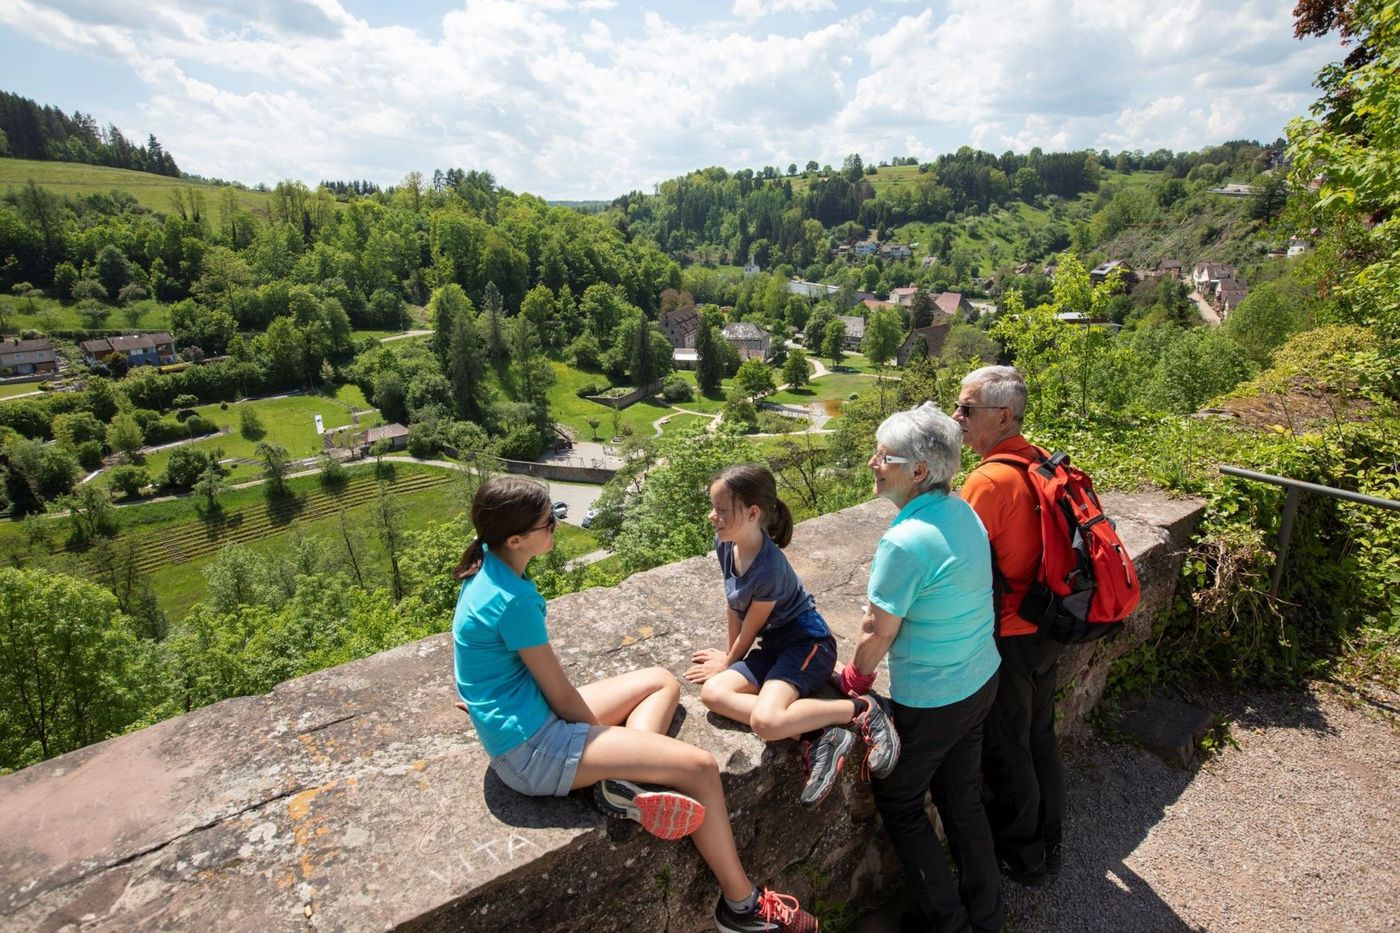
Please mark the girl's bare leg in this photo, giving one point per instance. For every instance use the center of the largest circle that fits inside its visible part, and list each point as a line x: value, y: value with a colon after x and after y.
x: 644, y: 699
x: 779, y: 714
x: 634, y: 755
x: 773, y: 712
x: 730, y: 694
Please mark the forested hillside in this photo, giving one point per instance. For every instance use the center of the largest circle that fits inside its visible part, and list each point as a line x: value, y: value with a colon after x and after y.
x: 29, y: 131
x: 534, y: 311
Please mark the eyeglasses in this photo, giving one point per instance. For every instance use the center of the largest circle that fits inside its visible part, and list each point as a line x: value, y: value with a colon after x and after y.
x: 885, y: 460
x: 548, y: 524
x: 964, y: 407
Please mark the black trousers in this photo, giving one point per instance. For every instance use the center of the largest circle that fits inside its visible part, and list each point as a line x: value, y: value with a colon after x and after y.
x: 941, y: 752
x: 1021, y: 762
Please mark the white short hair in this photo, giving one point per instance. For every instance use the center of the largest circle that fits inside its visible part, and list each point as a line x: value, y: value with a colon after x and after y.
x: 1001, y: 386
x: 925, y: 435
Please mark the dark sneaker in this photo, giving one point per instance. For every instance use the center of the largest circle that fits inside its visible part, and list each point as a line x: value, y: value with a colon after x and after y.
x: 1026, y: 879
x: 877, y: 731
x: 1054, y: 859
x: 664, y: 813
x: 825, y: 757
x: 774, y: 913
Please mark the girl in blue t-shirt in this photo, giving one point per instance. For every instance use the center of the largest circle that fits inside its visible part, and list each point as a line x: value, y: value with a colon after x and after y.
x: 780, y: 650
x: 547, y: 737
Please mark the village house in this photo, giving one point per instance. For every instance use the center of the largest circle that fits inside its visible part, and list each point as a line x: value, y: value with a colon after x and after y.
x: 680, y: 326
x: 1297, y: 246
x: 27, y: 357
x: 1228, y: 295
x: 1206, y: 275
x: 928, y: 262
x: 139, y: 349
x: 866, y: 248
x: 750, y: 340
x: 896, y: 251
x: 855, y: 331
x: 1100, y: 273
x: 904, y: 295
x: 811, y: 289
x: 395, y: 434
x: 751, y: 268
x: 953, y: 303
x: 932, y: 336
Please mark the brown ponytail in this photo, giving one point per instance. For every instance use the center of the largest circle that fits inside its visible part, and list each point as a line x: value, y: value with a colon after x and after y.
x: 752, y: 484
x: 503, y: 506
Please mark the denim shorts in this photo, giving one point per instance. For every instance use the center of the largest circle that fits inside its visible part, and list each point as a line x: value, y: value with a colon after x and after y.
x: 544, y: 765
x: 801, y: 659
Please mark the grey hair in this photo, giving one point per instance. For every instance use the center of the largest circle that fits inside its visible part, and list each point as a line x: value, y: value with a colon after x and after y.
x: 1001, y: 386
x: 926, y: 435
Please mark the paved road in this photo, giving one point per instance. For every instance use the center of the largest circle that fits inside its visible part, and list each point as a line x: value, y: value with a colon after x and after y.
x: 406, y: 335
x: 1208, y: 314
x: 579, y: 496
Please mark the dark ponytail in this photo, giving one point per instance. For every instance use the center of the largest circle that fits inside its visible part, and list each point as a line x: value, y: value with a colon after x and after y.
x: 752, y: 484
x: 503, y: 506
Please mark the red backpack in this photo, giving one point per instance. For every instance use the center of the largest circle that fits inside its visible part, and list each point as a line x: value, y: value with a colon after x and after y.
x: 1086, y: 585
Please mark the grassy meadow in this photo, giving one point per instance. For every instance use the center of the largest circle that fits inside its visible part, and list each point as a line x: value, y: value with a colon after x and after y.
x: 153, y: 192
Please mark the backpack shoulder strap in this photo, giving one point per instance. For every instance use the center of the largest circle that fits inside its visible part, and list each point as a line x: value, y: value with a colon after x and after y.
x: 1000, y: 584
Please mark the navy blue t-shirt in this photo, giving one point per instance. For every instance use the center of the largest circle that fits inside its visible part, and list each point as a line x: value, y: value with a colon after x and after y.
x: 770, y: 578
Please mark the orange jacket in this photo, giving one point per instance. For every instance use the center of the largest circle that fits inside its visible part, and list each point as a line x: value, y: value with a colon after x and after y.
x: 1000, y: 496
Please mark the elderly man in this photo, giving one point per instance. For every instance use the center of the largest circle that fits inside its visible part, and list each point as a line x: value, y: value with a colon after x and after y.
x: 1021, y: 763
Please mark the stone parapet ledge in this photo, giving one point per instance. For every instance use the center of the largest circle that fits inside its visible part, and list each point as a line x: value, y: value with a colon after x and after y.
x: 358, y: 798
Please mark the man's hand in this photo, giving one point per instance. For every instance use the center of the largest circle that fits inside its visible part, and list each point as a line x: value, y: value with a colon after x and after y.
x: 706, y: 663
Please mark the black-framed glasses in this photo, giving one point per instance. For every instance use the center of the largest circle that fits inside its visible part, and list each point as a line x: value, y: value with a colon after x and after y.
x: 964, y: 407
x: 549, y: 524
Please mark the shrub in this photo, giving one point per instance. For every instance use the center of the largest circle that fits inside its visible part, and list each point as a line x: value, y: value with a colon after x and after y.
x: 250, y: 425
x: 423, y: 441
x: 587, y: 389
x: 676, y: 389
x: 333, y: 473
x: 186, y: 465
x: 128, y: 480
x: 90, y: 455
x: 522, y: 443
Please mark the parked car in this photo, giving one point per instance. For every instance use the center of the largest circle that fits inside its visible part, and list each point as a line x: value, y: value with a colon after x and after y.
x: 561, y: 510
x: 589, y: 516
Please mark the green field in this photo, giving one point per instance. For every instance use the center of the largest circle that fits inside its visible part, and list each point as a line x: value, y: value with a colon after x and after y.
x: 18, y: 388
x: 682, y: 421
x: 180, y: 586
x: 573, y: 411
x: 151, y: 191
x: 49, y: 314
x: 288, y: 421
x: 833, y: 386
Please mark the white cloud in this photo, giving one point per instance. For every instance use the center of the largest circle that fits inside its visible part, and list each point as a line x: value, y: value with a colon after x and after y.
x: 754, y: 9
x: 575, y: 99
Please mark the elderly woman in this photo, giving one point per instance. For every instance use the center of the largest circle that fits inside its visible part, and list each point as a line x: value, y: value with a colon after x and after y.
x: 931, y: 610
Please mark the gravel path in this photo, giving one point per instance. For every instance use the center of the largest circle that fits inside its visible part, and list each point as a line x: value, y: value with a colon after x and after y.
x: 1295, y: 829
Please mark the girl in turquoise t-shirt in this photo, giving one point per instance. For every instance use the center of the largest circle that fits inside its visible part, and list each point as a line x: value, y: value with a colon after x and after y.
x: 548, y: 737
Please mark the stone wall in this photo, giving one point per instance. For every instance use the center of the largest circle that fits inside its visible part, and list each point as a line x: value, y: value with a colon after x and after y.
x: 622, y: 401
x: 358, y: 798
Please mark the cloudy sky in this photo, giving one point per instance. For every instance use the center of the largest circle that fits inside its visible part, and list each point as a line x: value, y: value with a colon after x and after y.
x: 593, y: 98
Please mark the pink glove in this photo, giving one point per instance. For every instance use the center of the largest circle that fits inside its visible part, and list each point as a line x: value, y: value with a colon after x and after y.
x: 854, y: 683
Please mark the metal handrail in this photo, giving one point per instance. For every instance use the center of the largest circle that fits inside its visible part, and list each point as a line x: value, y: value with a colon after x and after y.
x: 1290, y: 508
